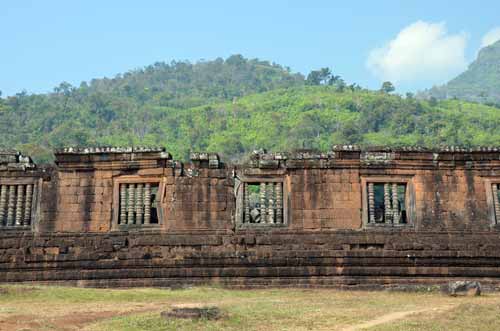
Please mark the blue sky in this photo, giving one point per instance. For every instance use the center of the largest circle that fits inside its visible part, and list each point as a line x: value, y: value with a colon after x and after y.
x: 46, y: 42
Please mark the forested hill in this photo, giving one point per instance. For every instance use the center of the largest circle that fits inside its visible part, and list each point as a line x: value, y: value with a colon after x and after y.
x: 480, y: 82
x: 184, y: 85
x: 234, y: 106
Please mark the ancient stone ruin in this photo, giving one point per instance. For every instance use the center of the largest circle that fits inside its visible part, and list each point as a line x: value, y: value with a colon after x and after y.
x: 468, y: 288
x: 352, y: 217
x: 210, y: 313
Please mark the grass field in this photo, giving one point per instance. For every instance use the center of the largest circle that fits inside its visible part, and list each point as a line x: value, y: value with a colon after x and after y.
x: 63, y: 308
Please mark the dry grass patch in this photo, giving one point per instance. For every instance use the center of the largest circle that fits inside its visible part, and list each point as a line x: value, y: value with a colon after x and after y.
x: 64, y: 308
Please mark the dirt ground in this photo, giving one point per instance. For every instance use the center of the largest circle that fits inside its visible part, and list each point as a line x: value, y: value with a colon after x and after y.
x: 64, y: 309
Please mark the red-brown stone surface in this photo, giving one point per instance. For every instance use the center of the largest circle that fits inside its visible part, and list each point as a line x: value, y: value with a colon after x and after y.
x: 452, y: 232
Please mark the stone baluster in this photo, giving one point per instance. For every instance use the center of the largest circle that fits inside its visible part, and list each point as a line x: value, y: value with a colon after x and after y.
x: 19, y: 205
x: 279, y: 203
x: 271, y: 205
x: 123, y: 204
x: 263, y: 214
x: 395, y: 204
x: 387, y: 203
x: 496, y: 201
x: 139, y: 204
x: 371, y: 203
x: 11, y: 205
x: 3, y: 204
x: 246, y: 202
x: 130, y: 204
x: 147, y: 203
x: 28, y: 204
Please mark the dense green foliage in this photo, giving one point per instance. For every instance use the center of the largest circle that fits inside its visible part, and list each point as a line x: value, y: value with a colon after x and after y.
x: 234, y: 106
x: 480, y: 82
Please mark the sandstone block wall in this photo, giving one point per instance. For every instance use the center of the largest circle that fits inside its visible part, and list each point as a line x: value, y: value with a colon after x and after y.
x: 327, y: 239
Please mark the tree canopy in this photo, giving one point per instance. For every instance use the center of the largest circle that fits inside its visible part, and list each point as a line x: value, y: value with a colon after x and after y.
x: 233, y: 106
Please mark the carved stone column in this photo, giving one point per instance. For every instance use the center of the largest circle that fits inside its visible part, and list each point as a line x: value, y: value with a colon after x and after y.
x: 496, y: 202
x: 19, y: 205
x: 11, y: 205
x: 263, y: 213
x: 139, y: 204
x: 371, y: 203
x: 270, y: 206
x: 123, y: 204
x: 130, y: 204
x: 279, y: 203
x: 3, y: 204
x: 28, y: 204
x: 147, y: 203
x: 395, y: 204
x: 387, y: 203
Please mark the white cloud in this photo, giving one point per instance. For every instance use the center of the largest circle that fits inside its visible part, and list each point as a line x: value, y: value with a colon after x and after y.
x: 491, y: 37
x: 421, y: 51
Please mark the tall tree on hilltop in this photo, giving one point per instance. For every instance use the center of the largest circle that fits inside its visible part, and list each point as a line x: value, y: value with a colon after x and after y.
x: 319, y: 77
x: 387, y: 87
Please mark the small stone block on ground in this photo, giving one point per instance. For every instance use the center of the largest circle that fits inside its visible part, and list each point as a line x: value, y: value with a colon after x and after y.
x: 210, y: 313
x: 464, y: 288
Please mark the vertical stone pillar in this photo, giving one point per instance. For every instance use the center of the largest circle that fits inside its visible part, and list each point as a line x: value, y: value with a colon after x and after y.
x: 496, y: 202
x: 263, y: 213
x: 19, y: 205
x: 139, y: 204
x: 279, y: 203
x: 387, y: 203
x: 123, y: 204
x: 130, y: 204
x: 246, y: 203
x: 271, y: 205
x: 371, y: 203
x: 3, y: 204
x: 395, y: 204
x: 11, y: 205
x: 28, y: 204
x: 147, y: 203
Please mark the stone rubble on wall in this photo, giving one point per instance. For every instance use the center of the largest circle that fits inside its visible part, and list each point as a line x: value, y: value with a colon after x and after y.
x: 370, y: 156
x: 14, y: 160
x: 210, y: 160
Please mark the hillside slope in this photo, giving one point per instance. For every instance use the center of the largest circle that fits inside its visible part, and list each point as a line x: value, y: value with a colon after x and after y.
x: 480, y: 82
x: 233, y: 106
x: 282, y: 119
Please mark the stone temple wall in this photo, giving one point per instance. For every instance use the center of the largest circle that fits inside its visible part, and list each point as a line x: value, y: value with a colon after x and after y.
x: 351, y: 217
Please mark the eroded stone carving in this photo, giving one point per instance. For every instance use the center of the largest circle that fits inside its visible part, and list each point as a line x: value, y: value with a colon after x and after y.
x: 136, y: 204
x: 16, y: 203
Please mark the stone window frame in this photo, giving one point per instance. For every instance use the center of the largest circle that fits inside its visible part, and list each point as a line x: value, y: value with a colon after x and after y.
x: 134, y: 179
x: 492, y: 213
x: 35, y: 202
x: 285, y: 201
x: 409, y: 199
